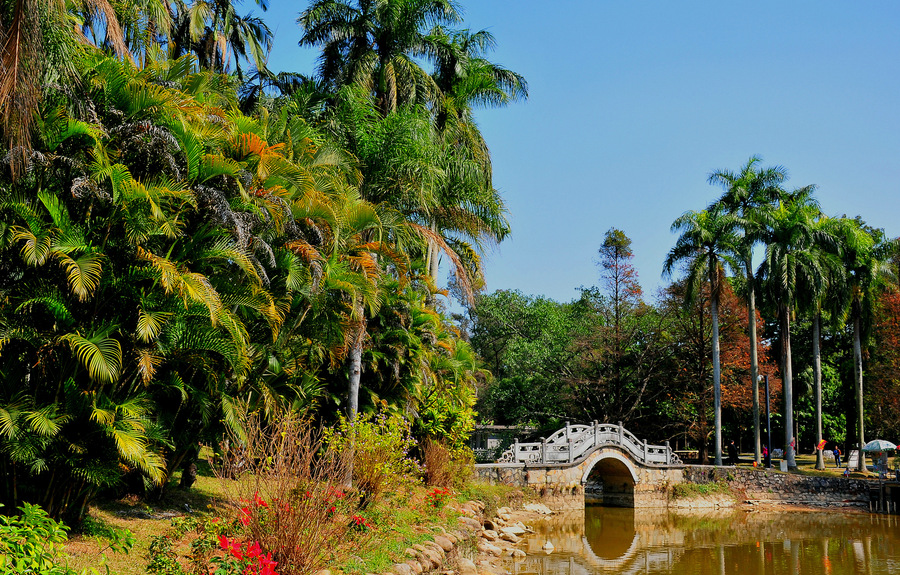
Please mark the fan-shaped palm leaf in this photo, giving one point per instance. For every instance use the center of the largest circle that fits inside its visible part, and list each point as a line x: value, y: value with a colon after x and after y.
x: 36, y: 246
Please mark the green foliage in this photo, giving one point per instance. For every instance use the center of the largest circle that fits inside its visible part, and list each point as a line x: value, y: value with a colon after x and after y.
x: 834, y: 420
x: 32, y: 542
x: 116, y: 539
x: 692, y: 490
x: 380, y: 443
x: 527, y: 344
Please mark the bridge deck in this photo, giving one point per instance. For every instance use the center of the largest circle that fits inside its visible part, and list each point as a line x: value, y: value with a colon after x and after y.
x: 572, y: 442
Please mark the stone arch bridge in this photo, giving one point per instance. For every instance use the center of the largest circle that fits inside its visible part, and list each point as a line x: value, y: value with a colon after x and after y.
x: 628, y: 472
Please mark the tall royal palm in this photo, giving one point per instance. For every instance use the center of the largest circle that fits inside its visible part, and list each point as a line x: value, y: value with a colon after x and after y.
x: 375, y: 43
x: 823, y: 297
x: 793, y: 266
x: 707, y: 240
x: 748, y: 194
x: 866, y: 257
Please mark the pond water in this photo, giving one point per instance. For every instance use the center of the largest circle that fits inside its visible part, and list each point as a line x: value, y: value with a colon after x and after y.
x: 616, y: 540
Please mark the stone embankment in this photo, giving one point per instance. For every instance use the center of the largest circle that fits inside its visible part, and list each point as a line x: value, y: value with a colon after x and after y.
x: 477, y: 547
x: 763, y: 486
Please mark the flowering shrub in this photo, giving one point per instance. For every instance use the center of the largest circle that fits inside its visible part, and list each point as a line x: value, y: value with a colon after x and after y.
x: 360, y: 523
x: 290, y: 503
x: 32, y: 543
x: 218, y: 548
x: 244, y: 558
x: 332, y: 498
x: 379, y: 443
x: 438, y: 496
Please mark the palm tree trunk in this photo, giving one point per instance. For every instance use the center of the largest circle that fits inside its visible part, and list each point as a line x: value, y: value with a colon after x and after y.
x: 717, y: 374
x: 754, y: 362
x: 355, y: 367
x: 817, y: 368
x: 433, y: 261
x: 858, y: 377
x: 789, y: 441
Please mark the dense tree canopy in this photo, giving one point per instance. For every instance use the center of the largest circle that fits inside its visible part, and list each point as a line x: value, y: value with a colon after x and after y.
x: 183, y: 243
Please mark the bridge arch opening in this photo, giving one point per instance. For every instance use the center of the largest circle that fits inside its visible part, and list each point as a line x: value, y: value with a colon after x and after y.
x: 610, y: 482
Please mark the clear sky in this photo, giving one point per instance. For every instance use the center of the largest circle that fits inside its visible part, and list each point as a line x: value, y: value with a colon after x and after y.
x: 633, y: 103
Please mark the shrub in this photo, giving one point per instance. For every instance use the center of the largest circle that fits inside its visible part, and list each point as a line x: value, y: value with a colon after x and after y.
x: 216, y: 548
x: 438, y: 496
x: 446, y: 466
x: 290, y: 498
x: 462, y: 467
x: 380, y: 445
x: 437, y: 463
x: 33, y: 542
x: 360, y: 523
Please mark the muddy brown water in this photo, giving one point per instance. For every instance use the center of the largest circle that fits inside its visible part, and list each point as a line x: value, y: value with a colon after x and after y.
x: 720, y: 542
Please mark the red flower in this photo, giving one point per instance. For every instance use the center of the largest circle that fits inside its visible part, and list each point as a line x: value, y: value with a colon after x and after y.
x: 254, y: 550
x: 259, y: 501
x: 268, y: 566
x: 223, y: 542
x: 245, y: 516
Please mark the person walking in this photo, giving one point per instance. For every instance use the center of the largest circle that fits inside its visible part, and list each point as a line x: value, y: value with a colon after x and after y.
x: 837, y: 456
x: 732, y: 453
x: 767, y: 461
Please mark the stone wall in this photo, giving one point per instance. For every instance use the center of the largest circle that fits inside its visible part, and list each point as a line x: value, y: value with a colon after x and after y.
x: 772, y: 486
x: 558, y: 487
x: 626, y: 484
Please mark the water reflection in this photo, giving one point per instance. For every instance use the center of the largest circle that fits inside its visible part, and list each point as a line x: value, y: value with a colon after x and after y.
x: 616, y: 540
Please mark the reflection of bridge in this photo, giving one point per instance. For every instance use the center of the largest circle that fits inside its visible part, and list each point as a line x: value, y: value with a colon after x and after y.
x: 632, y: 472
x: 607, y: 543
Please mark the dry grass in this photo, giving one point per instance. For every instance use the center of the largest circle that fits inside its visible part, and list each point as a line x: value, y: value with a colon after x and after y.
x: 144, y: 520
x: 437, y: 464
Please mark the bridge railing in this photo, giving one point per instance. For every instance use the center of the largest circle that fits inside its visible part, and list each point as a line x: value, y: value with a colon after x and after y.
x: 571, y: 443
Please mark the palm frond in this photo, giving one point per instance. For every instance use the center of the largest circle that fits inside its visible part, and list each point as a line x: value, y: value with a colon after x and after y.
x: 83, y: 273
x: 100, y: 355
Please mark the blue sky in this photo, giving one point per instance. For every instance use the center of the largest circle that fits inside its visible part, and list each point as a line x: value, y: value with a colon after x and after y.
x: 633, y: 103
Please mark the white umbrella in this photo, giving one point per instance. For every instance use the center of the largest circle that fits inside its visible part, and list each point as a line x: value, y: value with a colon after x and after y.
x: 879, y: 445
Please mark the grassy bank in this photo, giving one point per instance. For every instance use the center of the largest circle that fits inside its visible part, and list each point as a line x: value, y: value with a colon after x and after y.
x: 396, y: 521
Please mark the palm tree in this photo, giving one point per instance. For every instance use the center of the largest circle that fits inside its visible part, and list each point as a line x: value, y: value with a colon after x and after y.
x: 218, y: 35
x: 866, y: 255
x: 793, y: 266
x: 40, y: 47
x: 467, y: 205
x: 467, y: 80
x: 707, y: 240
x: 819, y: 297
x: 375, y: 43
x: 747, y: 193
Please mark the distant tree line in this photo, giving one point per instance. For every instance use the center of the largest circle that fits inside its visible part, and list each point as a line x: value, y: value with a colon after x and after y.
x: 816, y: 315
